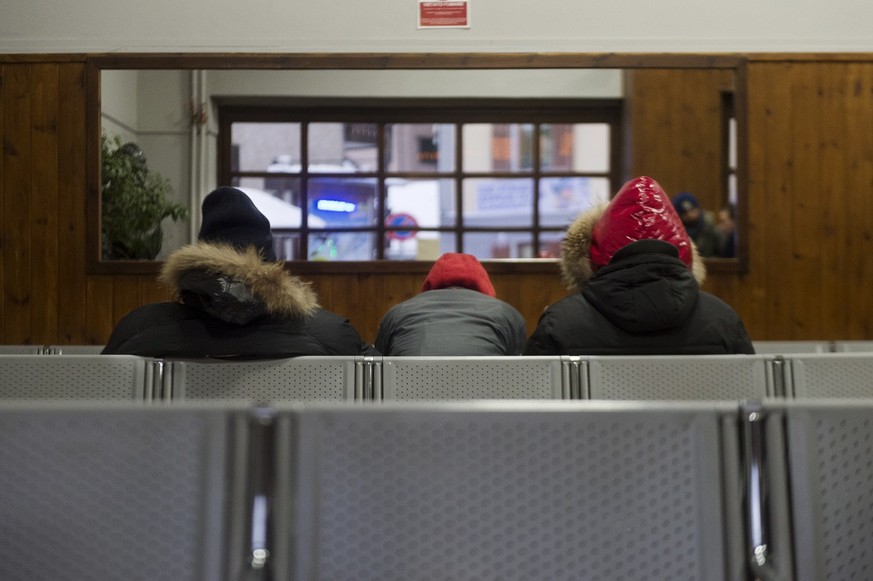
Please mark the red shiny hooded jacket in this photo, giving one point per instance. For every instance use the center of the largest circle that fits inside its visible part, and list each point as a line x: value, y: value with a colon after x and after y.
x: 456, y: 269
x: 641, y: 210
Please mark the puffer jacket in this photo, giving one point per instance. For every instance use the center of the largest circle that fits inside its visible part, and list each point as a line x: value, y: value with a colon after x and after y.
x: 646, y: 301
x: 233, y: 305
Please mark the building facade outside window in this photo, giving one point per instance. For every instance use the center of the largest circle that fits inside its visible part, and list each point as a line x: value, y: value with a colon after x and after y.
x: 410, y: 180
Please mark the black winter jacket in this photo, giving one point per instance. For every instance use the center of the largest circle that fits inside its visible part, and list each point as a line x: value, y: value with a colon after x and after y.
x: 233, y: 305
x: 645, y: 302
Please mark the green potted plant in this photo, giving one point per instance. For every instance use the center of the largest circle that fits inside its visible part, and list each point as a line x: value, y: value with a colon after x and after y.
x: 135, y: 201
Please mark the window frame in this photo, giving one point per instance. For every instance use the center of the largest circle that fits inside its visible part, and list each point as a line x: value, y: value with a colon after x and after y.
x: 453, y: 111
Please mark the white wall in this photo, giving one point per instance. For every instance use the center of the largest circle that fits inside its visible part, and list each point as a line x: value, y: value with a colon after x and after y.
x: 531, y: 83
x: 46, y: 26
x: 150, y: 108
x: 118, y: 103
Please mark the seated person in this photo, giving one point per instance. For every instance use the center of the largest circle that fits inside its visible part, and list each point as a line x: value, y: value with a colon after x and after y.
x: 456, y: 313
x: 699, y: 224
x: 234, y: 299
x: 636, y: 274
x: 727, y: 225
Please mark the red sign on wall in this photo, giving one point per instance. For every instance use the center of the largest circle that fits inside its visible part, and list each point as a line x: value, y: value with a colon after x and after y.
x: 399, y: 220
x: 443, y: 14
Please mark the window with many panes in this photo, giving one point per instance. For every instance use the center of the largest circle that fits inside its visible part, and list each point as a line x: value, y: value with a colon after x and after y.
x: 409, y: 180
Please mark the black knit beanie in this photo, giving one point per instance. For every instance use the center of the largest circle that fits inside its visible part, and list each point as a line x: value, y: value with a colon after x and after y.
x: 230, y: 217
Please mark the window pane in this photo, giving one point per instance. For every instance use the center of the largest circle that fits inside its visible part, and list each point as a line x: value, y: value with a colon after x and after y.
x: 550, y: 245
x: 420, y: 245
x: 281, y: 213
x: 732, y: 189
x: 501, y: 147
x: 343, y: 147
x: 256, y: 146
x: 342, y: 246
x: 562, y: 199
x: 344, y: 201
x: 284, y: 188
x: 287, y: 246
x: 498, y: 244
x: 498, y: 202
x: 580, y: 147
x: 423, y: 147
x: 427, y: 203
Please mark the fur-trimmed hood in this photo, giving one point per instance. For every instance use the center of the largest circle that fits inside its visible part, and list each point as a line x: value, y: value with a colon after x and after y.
x: 279, y: 293
x: 576, y: 266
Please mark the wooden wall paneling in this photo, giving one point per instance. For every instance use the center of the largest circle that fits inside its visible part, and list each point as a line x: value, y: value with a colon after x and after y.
x: 44, y: 205
x: 835, y: 223
x: 698, y: 109
x: 858, y: 274
x: 320, y: 284
x: 805, y: 208
x: 99, y: 312
x: 505, y: 285
x: 648, y: 117
x: 126, y: 295
x: 769, y: 200
x: 531, y: 293
x: 72, y: 162
x: 345, y: 300
x: 370, y: 291
x: 153, y: 291
x: 674, y: 122
x: 339, y: 293
x: 17, y: 176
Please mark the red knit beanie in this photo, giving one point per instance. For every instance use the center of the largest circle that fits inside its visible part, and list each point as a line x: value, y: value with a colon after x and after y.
x: 455, y: 269
x: 640, y: 211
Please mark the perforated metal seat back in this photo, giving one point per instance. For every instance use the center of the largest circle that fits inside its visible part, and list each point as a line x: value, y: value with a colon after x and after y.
x: 112, y: 493
x: 830, y: 447
x: 783, y: 347
x: 75, y: 349
x: 832, y: 375
x: 853, y: 346
x: 73, y: 377
x: 297, y: 379
x: 20, y: 349
x: 515, y: 493
x: 448, y: 378
x: 678, y: 377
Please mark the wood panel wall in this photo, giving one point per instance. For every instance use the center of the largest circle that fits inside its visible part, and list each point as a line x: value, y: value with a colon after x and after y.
x: 48, y: 297
x: 674, y: 120
x: 810, y: 214
x: 810, y: 202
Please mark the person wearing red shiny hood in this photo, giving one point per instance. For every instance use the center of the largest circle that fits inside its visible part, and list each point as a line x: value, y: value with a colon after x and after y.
x: 456, y: 313
x: 636, y: 277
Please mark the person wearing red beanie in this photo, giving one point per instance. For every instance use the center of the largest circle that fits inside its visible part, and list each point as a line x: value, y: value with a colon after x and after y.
x: 456, y: 313
x: 635, y: 276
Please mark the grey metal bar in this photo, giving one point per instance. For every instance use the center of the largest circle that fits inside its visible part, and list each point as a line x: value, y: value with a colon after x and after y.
x: 755, y: 456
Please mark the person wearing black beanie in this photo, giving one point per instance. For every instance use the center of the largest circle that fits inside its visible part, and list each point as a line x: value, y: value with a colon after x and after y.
x: 234, y: 300
x: 230, y: 217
